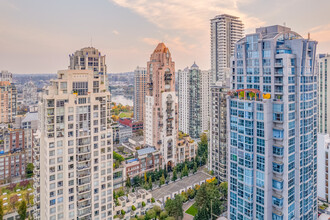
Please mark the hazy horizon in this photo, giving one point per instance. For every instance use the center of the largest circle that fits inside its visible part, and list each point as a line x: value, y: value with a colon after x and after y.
x: 37, y: 36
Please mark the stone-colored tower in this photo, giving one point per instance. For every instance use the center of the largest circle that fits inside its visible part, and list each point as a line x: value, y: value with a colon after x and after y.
x: 161, y: 124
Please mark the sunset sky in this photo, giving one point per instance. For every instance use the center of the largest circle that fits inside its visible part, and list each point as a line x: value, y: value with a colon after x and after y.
x: 37, y: 36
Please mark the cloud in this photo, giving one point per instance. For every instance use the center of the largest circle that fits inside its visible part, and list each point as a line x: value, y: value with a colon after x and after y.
x: 9, y: 5
x: 187, y: 15
x: 115, y: 32
x: 321, y: 33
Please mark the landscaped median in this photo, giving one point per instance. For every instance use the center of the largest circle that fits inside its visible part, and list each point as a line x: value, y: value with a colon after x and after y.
x: 192, y: 210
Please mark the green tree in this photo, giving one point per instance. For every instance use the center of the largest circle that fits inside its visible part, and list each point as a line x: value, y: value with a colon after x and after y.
x: 162, y: 180
x: 174, y: 207
x: 1, y: 210
x: 151, y: 214
x: 128, y: 182
x: 22, y: 210
x: 163, y: 215
x: 150, y: 183
x: 224, y: 189
x: 195, y: 168
x: 145, y: 178
x: 143, y: 204
x: 208, y: 194
x: 185, y: 171
x: 204, y: 139
x: 29, y: 170
x: 158, y: 210
x: 174, y: 177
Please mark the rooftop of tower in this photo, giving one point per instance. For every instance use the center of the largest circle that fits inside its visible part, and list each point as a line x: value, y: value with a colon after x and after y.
x: 194, y: 65
x: 161, y: 48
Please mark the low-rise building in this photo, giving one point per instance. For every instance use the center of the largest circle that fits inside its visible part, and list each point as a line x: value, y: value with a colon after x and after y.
x: 186, y: 149
x: 137, y: 203
x: 125, y: 132
x: 135, y: 125
x: 15, y: 152
x: 146, y: 159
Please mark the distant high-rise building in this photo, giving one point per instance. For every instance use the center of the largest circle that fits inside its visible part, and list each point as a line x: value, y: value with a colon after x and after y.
x: 30, y: 93
x: 272, y: 127
x: 160, y: 120
x: 217, y: 161
x: 8, y: 98
x: 6, y: 76
x: 74, y: 174
x: 193, y: 100
x: 140, y: 86
x: 226, y: 30
x: 323, y: 93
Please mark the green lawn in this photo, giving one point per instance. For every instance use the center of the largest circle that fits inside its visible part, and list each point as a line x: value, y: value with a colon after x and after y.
x: 125, y: 115
x: 192, y: 210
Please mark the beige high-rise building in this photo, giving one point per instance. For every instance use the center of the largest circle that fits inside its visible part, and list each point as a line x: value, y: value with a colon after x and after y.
x: 226, y: 30
x: 140, y: 88
x: 323, y: 92
x: 74, y: 146
x: 8, y: 98
x: 160, y: 121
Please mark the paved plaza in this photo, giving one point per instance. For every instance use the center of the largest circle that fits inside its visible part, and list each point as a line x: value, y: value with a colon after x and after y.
x: 175, y: 188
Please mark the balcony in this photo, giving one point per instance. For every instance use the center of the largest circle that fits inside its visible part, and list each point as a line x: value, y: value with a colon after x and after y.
x: 278, y: 64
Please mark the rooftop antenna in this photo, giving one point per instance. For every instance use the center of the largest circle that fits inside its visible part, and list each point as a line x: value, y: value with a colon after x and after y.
x: 284, y: 24
x: 91, y: 41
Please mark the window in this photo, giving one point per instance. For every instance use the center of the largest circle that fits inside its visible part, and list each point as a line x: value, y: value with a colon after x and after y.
x: 267, y: 88
x: 277, y: 133
x: 277, y: 184
x: 267, y: 79
x: 278, y: 150
x: 278, y: 167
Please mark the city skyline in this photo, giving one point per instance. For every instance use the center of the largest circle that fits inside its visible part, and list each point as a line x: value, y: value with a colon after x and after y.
x: 128, y: 30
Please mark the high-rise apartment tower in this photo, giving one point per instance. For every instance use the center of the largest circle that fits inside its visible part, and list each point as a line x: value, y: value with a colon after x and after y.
x: 193, y: 100
x: 161, y: 124
x: 140, y: 88
x: 226, y: 30
x: 74, y: 149
x: 272, y: 127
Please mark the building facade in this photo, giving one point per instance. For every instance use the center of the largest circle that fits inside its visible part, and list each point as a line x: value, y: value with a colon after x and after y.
x: 15, y: 153
x: 30, y: 93
x: 193, y: 100
x: 160, y: 121
x: 323, y: 150
x: 75, y: 146
x: 272, y: 126
x: 134, y: 204
x: 217, y: 161
x: 125, y: 132
x: 186, y: 149
x: 226, y: 30
x: 140, y: 87
x: 137, y: 126
x: 8, y: 98
x: 323, y: 97
x: 146, y: 160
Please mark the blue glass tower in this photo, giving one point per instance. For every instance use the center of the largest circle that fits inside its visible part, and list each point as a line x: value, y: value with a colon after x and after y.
x: 272, y: 112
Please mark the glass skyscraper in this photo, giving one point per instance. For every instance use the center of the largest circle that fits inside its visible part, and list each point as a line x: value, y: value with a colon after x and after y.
x: 272, y: 126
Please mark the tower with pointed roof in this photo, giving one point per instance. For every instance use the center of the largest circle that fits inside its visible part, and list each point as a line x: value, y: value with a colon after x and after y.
x: 160, y: 119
